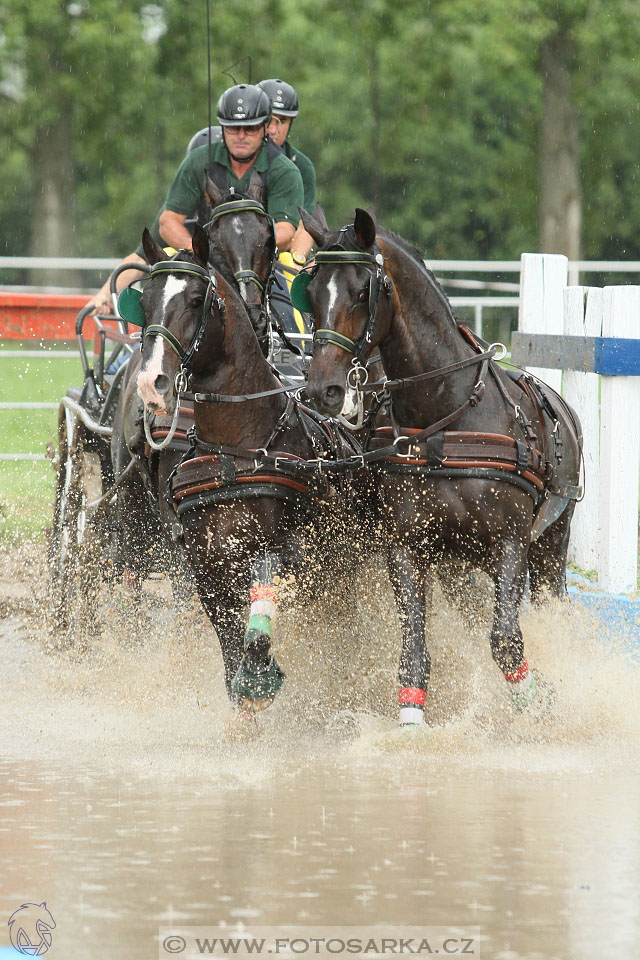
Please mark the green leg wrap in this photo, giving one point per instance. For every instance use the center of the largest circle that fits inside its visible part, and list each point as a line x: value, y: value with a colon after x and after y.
x: 257, y: 686
x: 523, y: 700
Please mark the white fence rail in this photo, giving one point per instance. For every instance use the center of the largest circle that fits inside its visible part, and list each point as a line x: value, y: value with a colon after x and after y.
x: 604, y: 534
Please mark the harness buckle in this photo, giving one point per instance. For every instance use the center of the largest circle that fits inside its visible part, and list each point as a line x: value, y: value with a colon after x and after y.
x: 408, y: 455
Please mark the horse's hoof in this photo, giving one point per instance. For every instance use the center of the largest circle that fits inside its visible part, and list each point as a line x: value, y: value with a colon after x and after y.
x: 255, y: 706
x: 538, y: 699
x: 250, y: 686
x: 242, y: 727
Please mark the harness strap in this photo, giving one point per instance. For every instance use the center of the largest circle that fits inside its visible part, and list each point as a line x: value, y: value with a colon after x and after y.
x: 243, y: 397
x: 157, y: 329
x: 337, y: 339
x: 401, y: 382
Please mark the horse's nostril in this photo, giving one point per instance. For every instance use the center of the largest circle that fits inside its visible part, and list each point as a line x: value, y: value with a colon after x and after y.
x: 162, y: 384
x: 334, y: 394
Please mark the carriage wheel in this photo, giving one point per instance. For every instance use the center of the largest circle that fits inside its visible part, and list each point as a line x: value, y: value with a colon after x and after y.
x: 73, y: 569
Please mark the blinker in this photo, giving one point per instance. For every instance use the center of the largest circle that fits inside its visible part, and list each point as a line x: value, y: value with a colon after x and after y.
x: 130, y: 307
x: 299, y: 296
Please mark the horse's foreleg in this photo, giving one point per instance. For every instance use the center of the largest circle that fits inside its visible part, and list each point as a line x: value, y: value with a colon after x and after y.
x: 507, y: 646
x: 225, y: 611
x: 408, y: 583
x: 259, y: 676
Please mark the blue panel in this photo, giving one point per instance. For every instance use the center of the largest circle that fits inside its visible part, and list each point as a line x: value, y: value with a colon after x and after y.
x: 617, y: 357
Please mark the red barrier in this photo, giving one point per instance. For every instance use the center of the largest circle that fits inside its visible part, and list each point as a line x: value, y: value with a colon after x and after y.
x: 42, y: 316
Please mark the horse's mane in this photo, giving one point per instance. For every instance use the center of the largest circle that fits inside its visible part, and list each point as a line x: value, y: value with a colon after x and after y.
x: 407, y: 248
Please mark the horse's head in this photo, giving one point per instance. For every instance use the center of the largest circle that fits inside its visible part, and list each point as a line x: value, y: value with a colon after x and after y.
x: 183, y: 317
x: 349, y: 295
x: 243, y: 245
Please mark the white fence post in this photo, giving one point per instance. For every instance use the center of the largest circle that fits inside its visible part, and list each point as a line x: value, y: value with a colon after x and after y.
x: 619, y: 451
x: 543, y: 277
x: 583, y: 318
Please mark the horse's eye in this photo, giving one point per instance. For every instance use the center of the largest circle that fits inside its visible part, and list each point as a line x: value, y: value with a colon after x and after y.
x: 196, y: 302
x: 362, y: 296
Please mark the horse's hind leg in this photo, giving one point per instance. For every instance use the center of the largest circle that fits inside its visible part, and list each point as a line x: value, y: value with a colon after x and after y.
x: 507, y: 646
x: 259, y: 676
x: 548, y: 558
x: 409, y: 583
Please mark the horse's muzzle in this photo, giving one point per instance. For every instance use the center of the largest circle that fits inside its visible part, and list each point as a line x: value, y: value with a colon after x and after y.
x: 328, y: 398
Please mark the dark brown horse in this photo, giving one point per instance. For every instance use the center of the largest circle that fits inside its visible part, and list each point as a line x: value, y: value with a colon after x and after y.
x: 242, y: 247
x: 240, y: 499
x: 477, y: 464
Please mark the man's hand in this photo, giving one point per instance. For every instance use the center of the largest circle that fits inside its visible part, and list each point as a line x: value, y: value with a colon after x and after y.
x: 100, y: 302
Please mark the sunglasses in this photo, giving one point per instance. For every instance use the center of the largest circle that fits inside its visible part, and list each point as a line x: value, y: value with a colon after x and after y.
x: 247, y: 129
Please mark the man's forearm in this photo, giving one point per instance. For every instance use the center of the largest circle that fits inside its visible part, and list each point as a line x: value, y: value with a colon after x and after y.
x: 284, y: 234
x: 173, y: 231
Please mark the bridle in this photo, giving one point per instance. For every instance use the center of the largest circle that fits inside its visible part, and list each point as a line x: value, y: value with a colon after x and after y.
x: 378, y: 283
x: 258, y: 312
x: 185, y: 354
x: 244, y: 206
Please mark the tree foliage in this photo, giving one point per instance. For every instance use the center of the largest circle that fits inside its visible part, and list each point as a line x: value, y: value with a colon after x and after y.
x: 428, y: 110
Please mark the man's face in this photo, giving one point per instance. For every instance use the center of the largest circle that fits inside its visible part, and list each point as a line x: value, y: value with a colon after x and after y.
x: 243, y: 142
x: 278, y: 128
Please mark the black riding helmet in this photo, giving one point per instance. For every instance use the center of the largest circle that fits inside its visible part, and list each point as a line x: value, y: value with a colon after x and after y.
x: 201, y: 138
x: 284, y: 99
x: 242, y: 105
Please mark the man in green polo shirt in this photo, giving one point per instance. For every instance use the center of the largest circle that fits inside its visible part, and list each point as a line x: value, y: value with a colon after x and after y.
x: 284, y: 109
x: 243, y: 112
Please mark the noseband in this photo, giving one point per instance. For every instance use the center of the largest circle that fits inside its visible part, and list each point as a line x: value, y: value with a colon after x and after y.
x: 374, y: 263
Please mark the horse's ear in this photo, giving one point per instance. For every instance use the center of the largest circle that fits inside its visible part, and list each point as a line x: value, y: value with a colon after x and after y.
x: 256, y: 186
x: 314, y: 227
x: 365, y: 228
x: 213, y: 193
x: 200, y: 246
x: 319, y: 216
x: 152, y: 250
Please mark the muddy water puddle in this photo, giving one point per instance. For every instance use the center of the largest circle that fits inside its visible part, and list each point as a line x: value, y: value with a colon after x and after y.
x: 126, y: 807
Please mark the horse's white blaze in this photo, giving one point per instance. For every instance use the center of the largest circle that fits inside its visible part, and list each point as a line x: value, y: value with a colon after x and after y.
x: 332, y: 286
x: 147, y: 376
x: 236, y: 223
x: 153, y: 369
x: 172, y: 288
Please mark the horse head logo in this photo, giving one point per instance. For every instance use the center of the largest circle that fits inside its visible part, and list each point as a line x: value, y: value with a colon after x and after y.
x: 30, y: 929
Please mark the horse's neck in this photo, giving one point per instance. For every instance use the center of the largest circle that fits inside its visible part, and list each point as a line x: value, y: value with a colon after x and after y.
x: 241, y: 370
x: 423, y: 337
